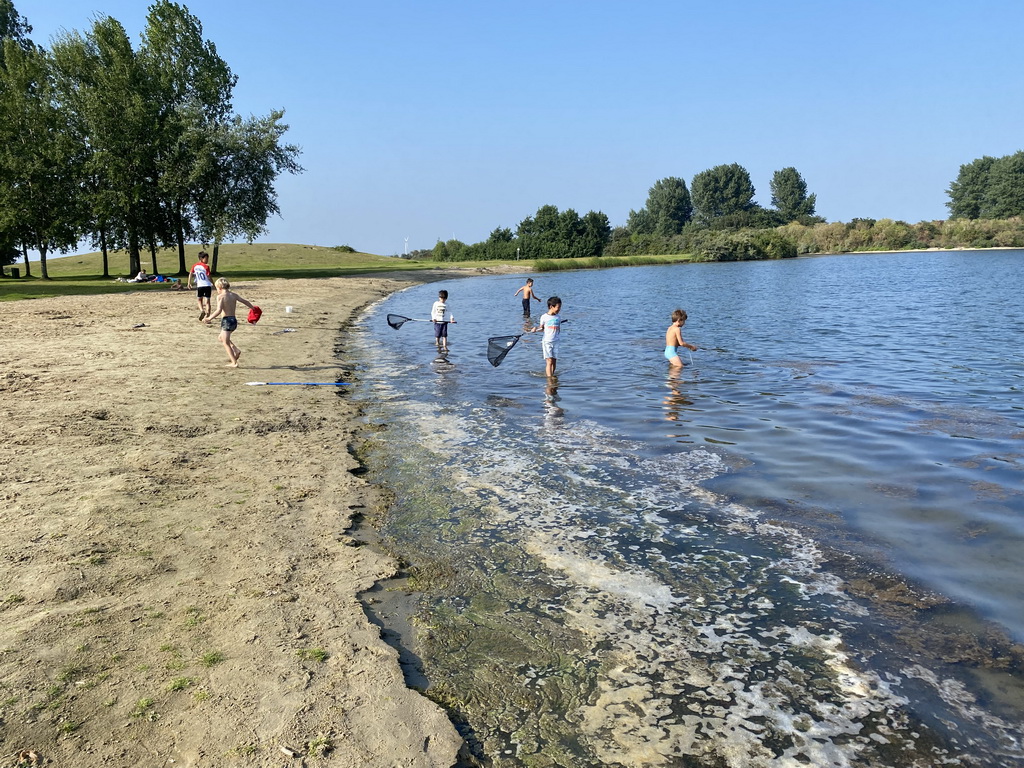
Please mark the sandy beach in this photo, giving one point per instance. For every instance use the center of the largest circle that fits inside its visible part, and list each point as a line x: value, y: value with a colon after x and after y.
x: 179, y: 582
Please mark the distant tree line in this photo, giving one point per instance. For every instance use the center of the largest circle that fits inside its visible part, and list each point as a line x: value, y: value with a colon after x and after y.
x: 719, y: 218
x: 716, y: 219
x: 131, y: 148
x: 890, y: 235
x: 548, y: 234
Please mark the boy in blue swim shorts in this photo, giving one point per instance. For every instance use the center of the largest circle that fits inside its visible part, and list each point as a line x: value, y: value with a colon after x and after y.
x: 227, y: 300
x: 674, y: 339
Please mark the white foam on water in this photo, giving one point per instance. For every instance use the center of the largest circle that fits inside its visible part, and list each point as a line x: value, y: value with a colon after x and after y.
x: 446, y: 429
x: 668, y: 647
x: 588, y: 573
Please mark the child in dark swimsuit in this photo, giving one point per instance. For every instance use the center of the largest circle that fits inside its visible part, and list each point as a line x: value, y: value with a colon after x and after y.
x: 227, y: 300
x: 527, y: 291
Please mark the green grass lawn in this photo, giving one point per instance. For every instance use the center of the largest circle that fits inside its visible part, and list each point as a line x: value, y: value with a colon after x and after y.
x: 82, y: 275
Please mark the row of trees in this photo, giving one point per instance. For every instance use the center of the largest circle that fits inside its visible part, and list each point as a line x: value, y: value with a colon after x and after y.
x: 133, y: 149
x: 716, y: 219
x: 988, y: 188
x: 548, y: 234
x: 722, y: 198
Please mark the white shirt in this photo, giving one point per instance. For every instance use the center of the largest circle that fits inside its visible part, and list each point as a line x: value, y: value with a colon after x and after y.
x: 201, y: 273
x: 437, y: 312
x: 552, y: 325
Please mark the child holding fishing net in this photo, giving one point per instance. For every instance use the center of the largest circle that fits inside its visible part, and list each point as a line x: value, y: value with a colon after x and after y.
x: 437, y: 314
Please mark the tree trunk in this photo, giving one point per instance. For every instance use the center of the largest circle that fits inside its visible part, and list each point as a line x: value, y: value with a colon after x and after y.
x: 182, y: 268
x: 213, y: 261
x: 42, y: 262
x: 103, y: 246
x: 134, y: 259
x: 24, y: 252
x: 152, y: 252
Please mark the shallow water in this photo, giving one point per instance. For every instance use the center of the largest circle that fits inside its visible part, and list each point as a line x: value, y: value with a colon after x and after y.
x: 802, y: 549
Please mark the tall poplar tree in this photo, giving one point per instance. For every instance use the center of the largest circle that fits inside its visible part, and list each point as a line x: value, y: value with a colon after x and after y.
x: 667, y: 211
x: 194, y: 88
x: 121, y: 114
x: 789, y: 196
x: 988, y: 188
x: 968, y: 195
x: 1005, y: 195
x: 40, y: 156
x: 721, y: 191
x: 237, y: 194
x: 13, y: 26
x: 75, y: 81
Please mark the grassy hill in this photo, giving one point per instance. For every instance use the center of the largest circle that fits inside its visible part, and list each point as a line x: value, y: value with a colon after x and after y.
x: 238, y: 261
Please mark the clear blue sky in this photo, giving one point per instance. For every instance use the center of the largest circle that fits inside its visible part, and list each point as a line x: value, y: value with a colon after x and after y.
x: 442, y: 119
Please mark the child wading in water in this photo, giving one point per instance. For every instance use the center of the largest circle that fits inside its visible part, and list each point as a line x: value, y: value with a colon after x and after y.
x: 551, y: 324
x: 227, y: 300
x: 528, y: 294
x: 437, y: 313
x: 674, y: 339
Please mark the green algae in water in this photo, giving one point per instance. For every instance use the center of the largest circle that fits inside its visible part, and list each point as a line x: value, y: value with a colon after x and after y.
x: 495, y: 643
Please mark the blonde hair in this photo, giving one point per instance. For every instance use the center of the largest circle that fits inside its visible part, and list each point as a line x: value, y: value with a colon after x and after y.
x: 222, y: 282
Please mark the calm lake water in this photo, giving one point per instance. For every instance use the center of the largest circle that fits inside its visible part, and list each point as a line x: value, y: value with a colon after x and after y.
x: 802, y: 549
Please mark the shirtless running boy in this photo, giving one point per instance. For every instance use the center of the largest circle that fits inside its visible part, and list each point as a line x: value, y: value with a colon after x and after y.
x: 227, y: 300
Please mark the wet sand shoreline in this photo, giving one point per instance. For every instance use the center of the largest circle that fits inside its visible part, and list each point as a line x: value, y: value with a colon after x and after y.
x: 180, y: 579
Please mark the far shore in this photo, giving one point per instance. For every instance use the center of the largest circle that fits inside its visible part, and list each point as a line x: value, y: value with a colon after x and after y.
x: 919, y: 250
x: 180, y: 582
x: 302, y: 261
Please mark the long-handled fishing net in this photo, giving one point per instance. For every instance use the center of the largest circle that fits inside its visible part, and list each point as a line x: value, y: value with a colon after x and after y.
x: 498, y: 347
x: 397, y: 321
x: 298, y: 383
